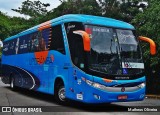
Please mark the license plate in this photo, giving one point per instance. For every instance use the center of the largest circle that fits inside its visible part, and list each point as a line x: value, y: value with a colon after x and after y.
x: 122, y: 97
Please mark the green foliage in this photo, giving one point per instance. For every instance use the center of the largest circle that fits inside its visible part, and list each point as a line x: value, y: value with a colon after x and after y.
x: 110, y: 8
x: 120, y: 9
x: 129, y: 10
x: 148, y: 24
x: 11, y: 26
x: 34, y: 9
x: 77, y: 7
x: 4, y: 25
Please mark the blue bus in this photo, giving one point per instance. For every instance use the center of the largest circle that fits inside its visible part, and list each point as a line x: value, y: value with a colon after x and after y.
x: 85, y: 58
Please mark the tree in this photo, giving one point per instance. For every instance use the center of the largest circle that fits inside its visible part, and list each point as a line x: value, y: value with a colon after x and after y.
x: 124, y: 10
x: 12, y: 25
x: 75, y: 7
x: 148, y: 24
x: 34, y: 9
x: 110, y: 8
x: 4, y: 26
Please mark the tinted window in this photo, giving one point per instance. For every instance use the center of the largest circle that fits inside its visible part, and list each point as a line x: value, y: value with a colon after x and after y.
x: 16, y: 46
x: 57, y: 39
x: 39, y: 41
x: 10, y: 47
x: 75, y: 44
x: 47, y: 39
x: 33, y: 42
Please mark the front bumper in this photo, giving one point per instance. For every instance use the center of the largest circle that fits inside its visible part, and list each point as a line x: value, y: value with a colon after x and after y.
x: 94, y: 95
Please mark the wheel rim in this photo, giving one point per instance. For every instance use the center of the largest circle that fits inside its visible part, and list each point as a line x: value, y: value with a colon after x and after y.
x: 61, y: 94
x: 12, y: 84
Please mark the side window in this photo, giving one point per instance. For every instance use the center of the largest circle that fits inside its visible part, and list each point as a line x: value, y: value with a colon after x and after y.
x: 39, y: 41
x: 22, y: 44
x: 33, y: 42
x: 6, y: 48
x: 57, y: 42
x: 11, y: 47
x: 47, y: 39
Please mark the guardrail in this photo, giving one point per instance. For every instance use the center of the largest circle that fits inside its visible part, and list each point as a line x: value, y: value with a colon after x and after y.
x: 153, y: 96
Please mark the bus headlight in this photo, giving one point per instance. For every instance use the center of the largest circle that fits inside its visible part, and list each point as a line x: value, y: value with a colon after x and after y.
x: 94, y: 84
x: 97, y: 85
x: 89, y: 82
x: 142, y: 85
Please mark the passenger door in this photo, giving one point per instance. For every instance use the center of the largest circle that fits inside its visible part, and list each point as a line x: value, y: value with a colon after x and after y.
x: 77, y: 55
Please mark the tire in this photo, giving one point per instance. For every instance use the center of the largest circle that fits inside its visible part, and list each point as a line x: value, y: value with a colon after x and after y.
x: 12, y: 83
x: 60, y: 94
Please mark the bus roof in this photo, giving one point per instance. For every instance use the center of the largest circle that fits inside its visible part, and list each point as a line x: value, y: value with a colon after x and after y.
x: 86, y: 19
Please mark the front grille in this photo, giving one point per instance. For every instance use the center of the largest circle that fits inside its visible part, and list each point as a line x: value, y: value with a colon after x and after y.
x: 128, y: 84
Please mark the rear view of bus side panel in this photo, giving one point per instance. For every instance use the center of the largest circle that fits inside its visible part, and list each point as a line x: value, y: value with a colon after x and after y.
x: 5, y: 74
x: 23, y: 59
x: 15, y: 61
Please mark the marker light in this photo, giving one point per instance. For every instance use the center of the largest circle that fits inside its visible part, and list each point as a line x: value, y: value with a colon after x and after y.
x: 96, y: 96
x: 142, y: 85
x: 89, y: 82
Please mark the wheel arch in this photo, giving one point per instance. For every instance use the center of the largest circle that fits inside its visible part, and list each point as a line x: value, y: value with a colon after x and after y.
x: 10, y: 77
x: 58, y: 79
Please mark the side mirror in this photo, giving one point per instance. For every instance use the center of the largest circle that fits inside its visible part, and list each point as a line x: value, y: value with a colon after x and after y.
x: 151, y: 42
x: 86, y: 39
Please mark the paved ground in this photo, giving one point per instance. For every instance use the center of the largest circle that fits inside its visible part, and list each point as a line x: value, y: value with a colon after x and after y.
x: 30, y: 98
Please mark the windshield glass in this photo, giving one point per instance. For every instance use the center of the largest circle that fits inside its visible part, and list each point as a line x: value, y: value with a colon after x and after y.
x: 128, y: 44
x: 113, y: 51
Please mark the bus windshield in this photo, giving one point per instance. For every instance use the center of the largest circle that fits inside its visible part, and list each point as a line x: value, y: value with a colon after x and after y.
x: 113, y: 51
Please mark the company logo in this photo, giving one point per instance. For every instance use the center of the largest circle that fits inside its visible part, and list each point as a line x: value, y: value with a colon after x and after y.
x: 41, y: 56
x: 6, y: 109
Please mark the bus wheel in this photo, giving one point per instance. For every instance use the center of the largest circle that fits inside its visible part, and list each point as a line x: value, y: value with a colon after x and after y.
x: 12, y: 83
x: 60, y: 94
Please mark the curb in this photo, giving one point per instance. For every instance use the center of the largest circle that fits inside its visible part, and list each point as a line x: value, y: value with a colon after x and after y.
x: 153, y: 96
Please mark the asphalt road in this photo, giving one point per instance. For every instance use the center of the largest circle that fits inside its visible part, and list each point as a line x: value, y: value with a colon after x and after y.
x: 25, y: 98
